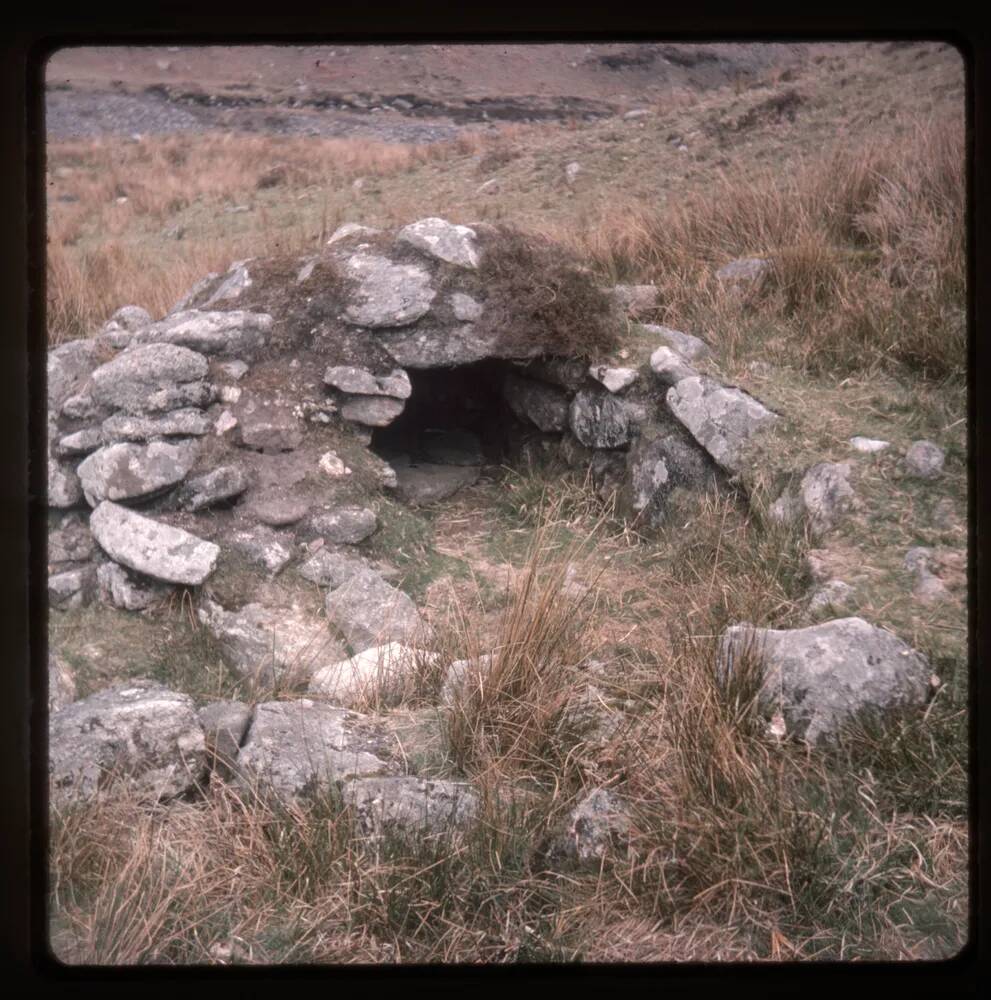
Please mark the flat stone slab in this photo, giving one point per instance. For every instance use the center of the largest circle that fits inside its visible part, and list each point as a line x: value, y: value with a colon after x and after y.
x: 221, y: 484
x: 139, y: 731
x: 343, y: 526
x: 442, y: 240
x: 301, y: 750
x: 411, y: 806
x: 188, y: 422
x: 271, y: 644
x: 425, y: 482
x: 149, y: 547
x: 372, y: 411
x: 127, y: 471
x: 820, y: 677
x: 382, y: 670
x: 147, y: 378
x: 387, y: 294
x: 235, y: 334
x: 267, y: 425
x: 362, y: 382
x: 720, y: 418
x: 330, y: 568
x: 368, y: 612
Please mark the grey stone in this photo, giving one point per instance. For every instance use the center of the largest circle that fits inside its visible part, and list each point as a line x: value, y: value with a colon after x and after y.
x: 64, y: 488
x: 81, y: 442
x: 360, y: 381
x: 541, y: 405
x: 263, y: 546
x: 635, y: 300
x: 67, y: 368
x: 225, y: 724
x: 71, y: 588
x: 412, y: 807
x: 427, y: 346
x: 271, y: 645
x: 600, y: 823
x: 223, y: 483
x: 387, y: 294
x: 233, y: 369
x: 302, y: 750
x: 442, y: 240
x: 833, y: 594
x: 129, y: 471
x: 149, y: 378
x: 465, y: 308
x: 81, y: 406
x: 235, y: 334
x: 372, y: 411
x: 786, y: 510
x: 267, y: 425
x: 614, y: 379
x: 566, y: 373
x: 722, y: 419
x: 571, y: 171
x: 608, y: 472
x: 70, y: 542
x: 381, y: 672
x: 743, y: 271
x: 368, y: 611
x: 351, y: 229
x: 187, y: 422
x: 919, y: 560
x: 343, y: 526
x: 599, y: 420
x: 149, y: 547
x: 329, y: 568
x: 426, y: 482
x: 924, y: 460
x: 127, y: 590
x: 235, y: 281
x: 138, y: 731
x: 61, y: 683
x: 819, y: 677
x: 826, y: 494
x: 670, y: 367
x: 868, y: 445
x: 129, y: 318
x: 196, y: 292
x: 275, y: 507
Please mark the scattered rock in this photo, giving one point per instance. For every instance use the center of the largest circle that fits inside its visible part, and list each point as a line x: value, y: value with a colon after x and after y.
x: 275, y: 507
x: 614, y: 379
x: 833, y: 594
x: 267, y: 425
x: 411, y: 806
x: 262, y: 546
x: 70, y: 542
x: 542, y: 405
x: 233, y: 369
x: 368, y: 611
x: 331, y: 463
x: 225, y: 724
x: 129, y: 471
x: 270, y: 645
x: 71, y: 588
x: 138, y: 731
x: 721, y: 418
x: 924, y: 460
x: 302, y: 750
x: 465, y: 308
x: 67, y: 369
x: 691, y: 348
x: 386, y: 671
x: 343, y: 526
x: 329, y: 568
x: 443, y: 241
x: 826, y: 494
x: 599, y: 420
x: 222, y: 484
x: 571, y: 172
x: 868, y: 445
x: 351, y: 229
x: 820, y: 677
x: 149, y: 547
x: 129, y: 318
x: 636, y: 300
x: 61, y: 683
x: 80, y: 443
x: 600, y: 823
x: 127, y: 590
x: 743, y: 271
x: 670, y: 367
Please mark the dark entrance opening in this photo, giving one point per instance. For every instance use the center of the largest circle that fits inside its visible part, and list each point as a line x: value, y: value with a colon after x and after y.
x: 454, y: 416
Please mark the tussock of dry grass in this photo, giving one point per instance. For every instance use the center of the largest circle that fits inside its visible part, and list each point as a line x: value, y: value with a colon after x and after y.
x: 867, y: 247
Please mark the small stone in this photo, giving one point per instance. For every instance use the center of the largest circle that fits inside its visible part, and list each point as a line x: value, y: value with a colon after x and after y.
x: 226, y: 421
x: 71, y: 588
x: 826, y: 494
x: 223, y: 483
x: 868, y: 445
x: 614, y: 379
x: 275, y: 507
x: 331, y: 464
x: 925, y: 460
x: 368, y: 611
x: 380, y: 671
x: 81, y: 443
x: 465, y: 308
x: 833, y: 594
x: 442, y: 240
x: 262, y: 546
x: 343, y: 526
x: 128, y: 471
x: 360, y: 381
x: 372, y: 411
x: 670, y: 367
x: 127, y: 590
